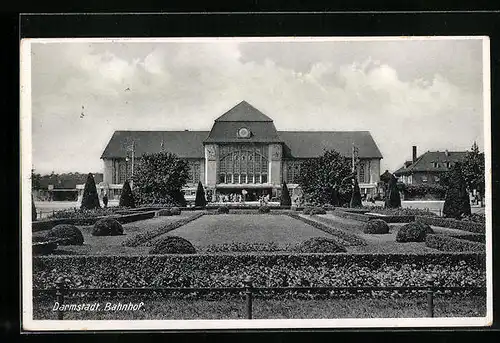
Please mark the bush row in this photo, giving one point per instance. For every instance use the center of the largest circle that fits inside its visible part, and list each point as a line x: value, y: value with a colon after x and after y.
x: 129, y: 218
x: 351, y: 215
x: 473, y: 237
x: 243, y: 247
x: 447, y: 243
x: 144, y: 237
x: 400, y: 211
x: 452, y: 223
x: 393, y: 218
x: 344, y: 238
x: 276, y: 270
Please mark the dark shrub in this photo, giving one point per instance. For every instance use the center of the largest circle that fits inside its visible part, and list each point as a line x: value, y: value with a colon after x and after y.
x: 90, y: 199
x: 33, y: 209
x: 456, y: 202
x: 264, y: 209
x: 164, y: 212
x: 43, y: 245
x: 223, y: 210
x: 319, y: 245
x: 200, y: 200
x: 285, y: 200
x: 392, y: 198
x: 307, y: 210
x: 175, y: 211
x: 127, y: 197
x: 317, y: 210
x: 68, y: 234
x: 453, y: 244
x: 107, y: 227
x: 376, y: 226
x: 413, y: 232
x: 172, y: 245
x: 356, y: 196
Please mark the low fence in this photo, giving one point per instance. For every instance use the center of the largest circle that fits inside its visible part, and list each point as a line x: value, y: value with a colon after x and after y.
x: 249, y: 290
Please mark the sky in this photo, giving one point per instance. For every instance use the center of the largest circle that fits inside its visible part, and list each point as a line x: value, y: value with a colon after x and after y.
x: 427, y: 93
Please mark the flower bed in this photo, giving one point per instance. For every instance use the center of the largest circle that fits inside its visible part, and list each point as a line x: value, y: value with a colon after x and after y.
x: 144, y: 237
x: 228, y: 270
x: 342, y: 237
x: 452, y: 223
x: 453, y: 244
x: 351, y: 215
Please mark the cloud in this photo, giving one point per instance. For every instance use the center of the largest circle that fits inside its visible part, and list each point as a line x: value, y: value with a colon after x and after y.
x: 173, y: 86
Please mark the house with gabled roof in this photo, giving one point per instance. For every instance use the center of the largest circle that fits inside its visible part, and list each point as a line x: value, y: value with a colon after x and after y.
x: 428, y: 167
x: 243, y: 150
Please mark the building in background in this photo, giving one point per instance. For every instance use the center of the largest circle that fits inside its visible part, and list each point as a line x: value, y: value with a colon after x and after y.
x: 242, y: 151
x: 64, y: 187
x: 428, y: 167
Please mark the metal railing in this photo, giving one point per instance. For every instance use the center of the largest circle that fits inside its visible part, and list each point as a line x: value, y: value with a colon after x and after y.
x: 249, y: 290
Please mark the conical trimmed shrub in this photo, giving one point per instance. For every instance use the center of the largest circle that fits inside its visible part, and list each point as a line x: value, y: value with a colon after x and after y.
x: 392, y: 197
x: 457, y: 201
x: 200, y: 200
x: 356, y: 196
x: 90, y: 200
x: 285, y: 200
x: 127, y: 197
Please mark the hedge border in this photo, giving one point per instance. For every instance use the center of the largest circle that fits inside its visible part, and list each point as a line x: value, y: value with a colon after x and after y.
x: 452, y: 224
x: 144, y: 237
x: 453, y: 244
x: 350, y: 215
x: 42, y: 225
x: 341, y: 236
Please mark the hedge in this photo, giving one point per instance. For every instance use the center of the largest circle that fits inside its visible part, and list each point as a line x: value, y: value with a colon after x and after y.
x: 452, y: 223
x: 351, y: 215
x: 392, y: 219
x: 135, y: 217
x: 276, y: 270
x: 342, y: 237
x: 447, y: 243
x: 144, y: 237
x: 42, y: 225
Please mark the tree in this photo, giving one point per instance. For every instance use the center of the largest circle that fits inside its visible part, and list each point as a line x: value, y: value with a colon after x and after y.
x: 33, y: 209
x: 127, y: 197
x: 90, y: 200
x: 473, y: 171
x: 356, y: 195
x: 285, y: 200
x: 319, y: 177
x: 159, y: 179
x: 35, y: 180
x: 200, y: 199
x: 456, y: 202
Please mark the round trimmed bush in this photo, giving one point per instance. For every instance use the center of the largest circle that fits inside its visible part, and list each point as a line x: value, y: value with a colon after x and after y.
x: 172, y: 245
x: 107, y: 227
x: 317, y: 210
x: 320, y: 245
x: 307, y: 210
x: 376, y: 226
x: 164, y: 212
x: 175, y: 211
x: 68, y: 234
x: 413, y: 232
x: 223, y: 210
x: 264, y: 209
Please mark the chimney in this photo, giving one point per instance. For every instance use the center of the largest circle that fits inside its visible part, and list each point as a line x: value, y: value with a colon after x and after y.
x: 414, y: 153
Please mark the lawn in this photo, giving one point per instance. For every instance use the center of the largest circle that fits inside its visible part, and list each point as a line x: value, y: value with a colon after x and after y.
x: 264, y: 308
x: 246, y: 228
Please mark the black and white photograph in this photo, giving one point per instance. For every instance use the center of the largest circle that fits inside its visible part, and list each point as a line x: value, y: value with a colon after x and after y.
x: 278, y: 182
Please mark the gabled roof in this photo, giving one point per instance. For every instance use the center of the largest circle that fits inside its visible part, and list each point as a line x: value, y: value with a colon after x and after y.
x: 426, y: 161
x: 185, y: 144
x: 307, y: 144
x: 67, y: 180
x: 243, y: 112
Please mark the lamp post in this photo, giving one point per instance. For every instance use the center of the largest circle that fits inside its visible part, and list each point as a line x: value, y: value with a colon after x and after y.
x: 132, y: 166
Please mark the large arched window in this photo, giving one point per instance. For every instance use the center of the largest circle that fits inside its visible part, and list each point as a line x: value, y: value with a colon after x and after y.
x: 239, y: 164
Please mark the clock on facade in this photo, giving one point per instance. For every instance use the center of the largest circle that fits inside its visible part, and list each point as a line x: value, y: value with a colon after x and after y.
x: 244, y: 132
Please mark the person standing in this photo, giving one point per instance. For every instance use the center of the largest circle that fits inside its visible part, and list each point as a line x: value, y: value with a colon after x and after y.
x: 105, y: 200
